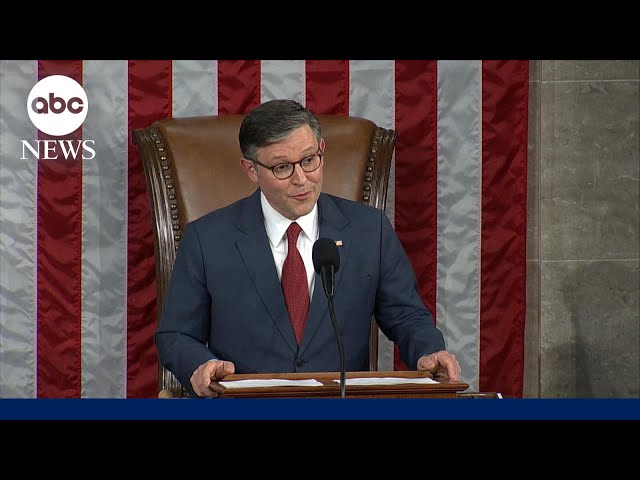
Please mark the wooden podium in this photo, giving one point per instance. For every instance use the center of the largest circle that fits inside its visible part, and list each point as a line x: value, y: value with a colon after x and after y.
x: 330, y: 387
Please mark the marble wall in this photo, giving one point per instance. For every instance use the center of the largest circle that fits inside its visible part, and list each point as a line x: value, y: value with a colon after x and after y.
x: 582, y: 335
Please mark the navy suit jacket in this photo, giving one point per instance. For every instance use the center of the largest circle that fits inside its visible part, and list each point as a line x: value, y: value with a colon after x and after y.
x: 224, y: 299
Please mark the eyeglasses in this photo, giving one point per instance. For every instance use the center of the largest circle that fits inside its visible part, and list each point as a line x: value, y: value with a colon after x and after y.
x: 284, y: 170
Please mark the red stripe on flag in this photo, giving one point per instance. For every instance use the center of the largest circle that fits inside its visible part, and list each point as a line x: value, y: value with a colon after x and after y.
x: 416, y: 174
x: 59, y: 256
x: 238, y: 86
x: 327, y: 86
x: 504, y: 214
x: 149, y: 100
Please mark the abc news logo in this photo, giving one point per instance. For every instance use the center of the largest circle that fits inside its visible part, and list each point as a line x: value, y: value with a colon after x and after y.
x: 57, y: 105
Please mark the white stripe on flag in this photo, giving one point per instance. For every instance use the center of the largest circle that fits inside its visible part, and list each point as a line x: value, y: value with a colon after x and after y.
x: 459, y: 210
x: 372, y: 91
x: 372, y: 96
x: 386, y: 346
x: 18, y: 232
x: 194, y: 88
x: 282, y: 79
x: 104, y: 231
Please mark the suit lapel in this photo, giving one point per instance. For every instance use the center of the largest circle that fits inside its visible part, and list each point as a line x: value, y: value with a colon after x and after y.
x: 332, y: 225
x: 258, y: 259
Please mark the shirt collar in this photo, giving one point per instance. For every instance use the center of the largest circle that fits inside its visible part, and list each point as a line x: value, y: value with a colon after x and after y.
x: 276, y: 224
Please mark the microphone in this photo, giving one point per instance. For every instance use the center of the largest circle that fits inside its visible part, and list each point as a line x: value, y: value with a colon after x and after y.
x: 326, y: 262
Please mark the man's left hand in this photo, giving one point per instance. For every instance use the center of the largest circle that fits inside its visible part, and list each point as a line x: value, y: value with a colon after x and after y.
x: 441, y: 364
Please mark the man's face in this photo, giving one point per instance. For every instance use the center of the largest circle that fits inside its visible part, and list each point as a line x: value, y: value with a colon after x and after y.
x: 294, y: 196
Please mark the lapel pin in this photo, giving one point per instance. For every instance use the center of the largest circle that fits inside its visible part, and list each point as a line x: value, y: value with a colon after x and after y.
x: 339, y: 243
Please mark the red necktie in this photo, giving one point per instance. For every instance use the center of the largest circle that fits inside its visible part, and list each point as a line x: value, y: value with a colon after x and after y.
x: 294, y: 283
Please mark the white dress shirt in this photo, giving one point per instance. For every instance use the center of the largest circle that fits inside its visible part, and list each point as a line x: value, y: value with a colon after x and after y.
x: 276, y: 225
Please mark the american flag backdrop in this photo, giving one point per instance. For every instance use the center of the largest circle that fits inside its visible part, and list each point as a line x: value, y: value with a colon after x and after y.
x: 77, y: 278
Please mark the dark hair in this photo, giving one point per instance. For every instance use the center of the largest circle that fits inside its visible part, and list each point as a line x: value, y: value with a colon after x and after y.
x: 271, y: 122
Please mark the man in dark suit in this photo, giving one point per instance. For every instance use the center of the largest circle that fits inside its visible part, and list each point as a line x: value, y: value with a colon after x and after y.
x: 230, y: 305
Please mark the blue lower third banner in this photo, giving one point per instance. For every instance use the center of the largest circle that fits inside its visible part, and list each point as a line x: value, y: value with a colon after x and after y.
x: 320, y: 409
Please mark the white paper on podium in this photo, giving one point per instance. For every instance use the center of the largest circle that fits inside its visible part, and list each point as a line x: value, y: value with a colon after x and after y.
x: 386, y: 380
x: 271, y: 382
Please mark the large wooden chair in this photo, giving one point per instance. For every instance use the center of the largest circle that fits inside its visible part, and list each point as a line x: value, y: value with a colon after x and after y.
x: 192, y: 167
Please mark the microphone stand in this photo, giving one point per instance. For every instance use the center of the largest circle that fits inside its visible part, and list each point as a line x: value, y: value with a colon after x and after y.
x: 332, y: 313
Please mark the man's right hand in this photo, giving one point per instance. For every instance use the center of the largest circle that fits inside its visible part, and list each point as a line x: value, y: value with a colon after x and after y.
x: 208, y: 372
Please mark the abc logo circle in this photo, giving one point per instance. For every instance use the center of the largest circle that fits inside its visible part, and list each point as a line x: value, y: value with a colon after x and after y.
x: 57, y: 105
